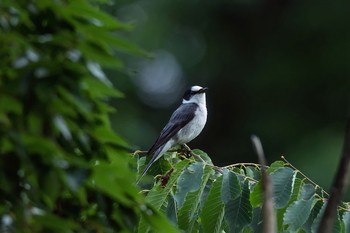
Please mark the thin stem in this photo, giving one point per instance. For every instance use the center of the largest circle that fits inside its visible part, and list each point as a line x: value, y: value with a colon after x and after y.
x: 301, y: 173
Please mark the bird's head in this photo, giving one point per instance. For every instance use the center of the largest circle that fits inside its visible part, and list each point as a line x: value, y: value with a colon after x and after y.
x: 196, y: 94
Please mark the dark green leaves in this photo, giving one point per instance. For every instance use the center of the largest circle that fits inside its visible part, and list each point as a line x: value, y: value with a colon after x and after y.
x: 282, y: 180
x: 62, y: 167
x: 234, y: 200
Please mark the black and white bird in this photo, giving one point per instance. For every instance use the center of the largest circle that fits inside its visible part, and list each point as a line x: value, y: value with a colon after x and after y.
x: 185, y: 124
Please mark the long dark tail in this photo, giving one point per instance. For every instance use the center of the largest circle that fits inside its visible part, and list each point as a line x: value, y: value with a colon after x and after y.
x: 154, y: 158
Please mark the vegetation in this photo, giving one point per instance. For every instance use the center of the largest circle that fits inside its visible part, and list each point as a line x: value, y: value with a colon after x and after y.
x: 63, y: 168
x: 202, y: 197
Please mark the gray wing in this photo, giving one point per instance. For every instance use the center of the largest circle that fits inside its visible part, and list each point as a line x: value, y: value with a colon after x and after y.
x: 181, y: 117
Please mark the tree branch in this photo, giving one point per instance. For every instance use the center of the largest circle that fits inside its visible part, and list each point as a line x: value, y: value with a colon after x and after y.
x: 340, y: 183
x: 269, y: 215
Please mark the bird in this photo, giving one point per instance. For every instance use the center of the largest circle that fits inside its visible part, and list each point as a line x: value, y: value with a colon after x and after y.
x: 185, y: 124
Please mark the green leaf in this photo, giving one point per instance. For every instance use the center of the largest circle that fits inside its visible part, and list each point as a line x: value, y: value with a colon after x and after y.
x: 157, y: 221
x: 213, y: 210
x: 297, y: 214
x: 203, y: 155
x: 231, y: 187
x: 55, y: 223
x: 106, y: 135
x: 336, y: 226
x: 188, y: 214
x: 98, y: 89
x: 282, y: 180
x: 158, y: 195
x: 238, y: 212
x: 253, y: 172
x: 346, y: 221
x: 171, y: 209
x: 80, y: 9
x: 314, y: 212
x: 256, y: 195
x: 10, y: 104
x: 189, y: 181
x: 307, y: 191
x: 111, y: 179
x: 275, y: 165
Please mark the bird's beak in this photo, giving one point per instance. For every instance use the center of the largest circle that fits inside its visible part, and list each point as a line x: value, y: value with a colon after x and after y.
x: 204, y: 89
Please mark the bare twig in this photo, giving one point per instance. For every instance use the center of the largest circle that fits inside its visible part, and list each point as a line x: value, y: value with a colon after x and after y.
x: 269, y: 215
x: 340, y: 183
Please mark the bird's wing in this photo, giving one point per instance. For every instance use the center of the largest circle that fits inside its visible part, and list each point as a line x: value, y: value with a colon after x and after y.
x: 184, y: 114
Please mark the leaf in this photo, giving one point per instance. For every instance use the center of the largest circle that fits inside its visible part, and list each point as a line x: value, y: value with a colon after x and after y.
x: 214, y: 209
x: 256, y: 195
x: 10, y: 104
x: 307, y: 191
x: 282, y: 180
x: 253, y: 172
x: 106, y: 135
x: 158, y: 195
x: 171, y: 209
x: 189, y: 181
x: 203, y: 155
x: 98, y: 89
x: 297, y: 214
x: 238, y: 212
x: 314, y: 212
x: 188, y: 214
x: 111, y: 180
x: 336, y: 226
x: 157, y: 221
x: 346, y: 221
x: 55, y: 223
x: 275, y: 166
x: 81, y: 9
x: 231, y: 187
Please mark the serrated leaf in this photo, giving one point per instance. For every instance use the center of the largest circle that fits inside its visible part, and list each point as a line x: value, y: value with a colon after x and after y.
x: 307, y: 191
x: 282, y: 180
x: 297, y: 213
x: 189, y: 181
x: 231, y: 187
x: 238, y: 212
x: 214, y: 209
x: 314, y: 212
x: 336, y: 226
x: 188, y: 214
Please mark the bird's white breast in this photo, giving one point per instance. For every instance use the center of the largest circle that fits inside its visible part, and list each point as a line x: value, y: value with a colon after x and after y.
x: 194, y: 127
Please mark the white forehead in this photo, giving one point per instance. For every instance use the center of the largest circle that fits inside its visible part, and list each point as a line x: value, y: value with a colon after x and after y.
x: 196, y: 88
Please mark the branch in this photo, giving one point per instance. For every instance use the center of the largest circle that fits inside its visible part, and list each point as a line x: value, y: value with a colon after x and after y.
x: 340, y: 183
x: 269, y: 215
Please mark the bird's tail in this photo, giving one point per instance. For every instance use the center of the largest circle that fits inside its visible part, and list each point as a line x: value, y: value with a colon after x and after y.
x: 155, y: 157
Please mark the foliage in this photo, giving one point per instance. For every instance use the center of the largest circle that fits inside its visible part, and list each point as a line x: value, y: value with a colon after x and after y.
x: 62, y: 168
x: 229, y: 199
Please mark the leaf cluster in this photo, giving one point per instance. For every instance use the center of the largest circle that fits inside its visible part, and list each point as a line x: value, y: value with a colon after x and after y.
x: 200, y: 197
x: 62, y: 168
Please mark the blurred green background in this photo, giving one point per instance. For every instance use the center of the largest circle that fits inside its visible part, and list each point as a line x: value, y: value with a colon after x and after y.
x: 278, y: 69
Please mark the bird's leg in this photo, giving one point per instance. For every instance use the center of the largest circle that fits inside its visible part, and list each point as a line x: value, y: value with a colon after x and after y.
x: 187, y: 152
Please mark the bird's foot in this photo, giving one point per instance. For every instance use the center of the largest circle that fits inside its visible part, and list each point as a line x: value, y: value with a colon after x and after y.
x: 185, y: 151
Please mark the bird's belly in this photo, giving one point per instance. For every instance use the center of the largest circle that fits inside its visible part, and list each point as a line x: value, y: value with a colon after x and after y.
x: 191, y: 130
